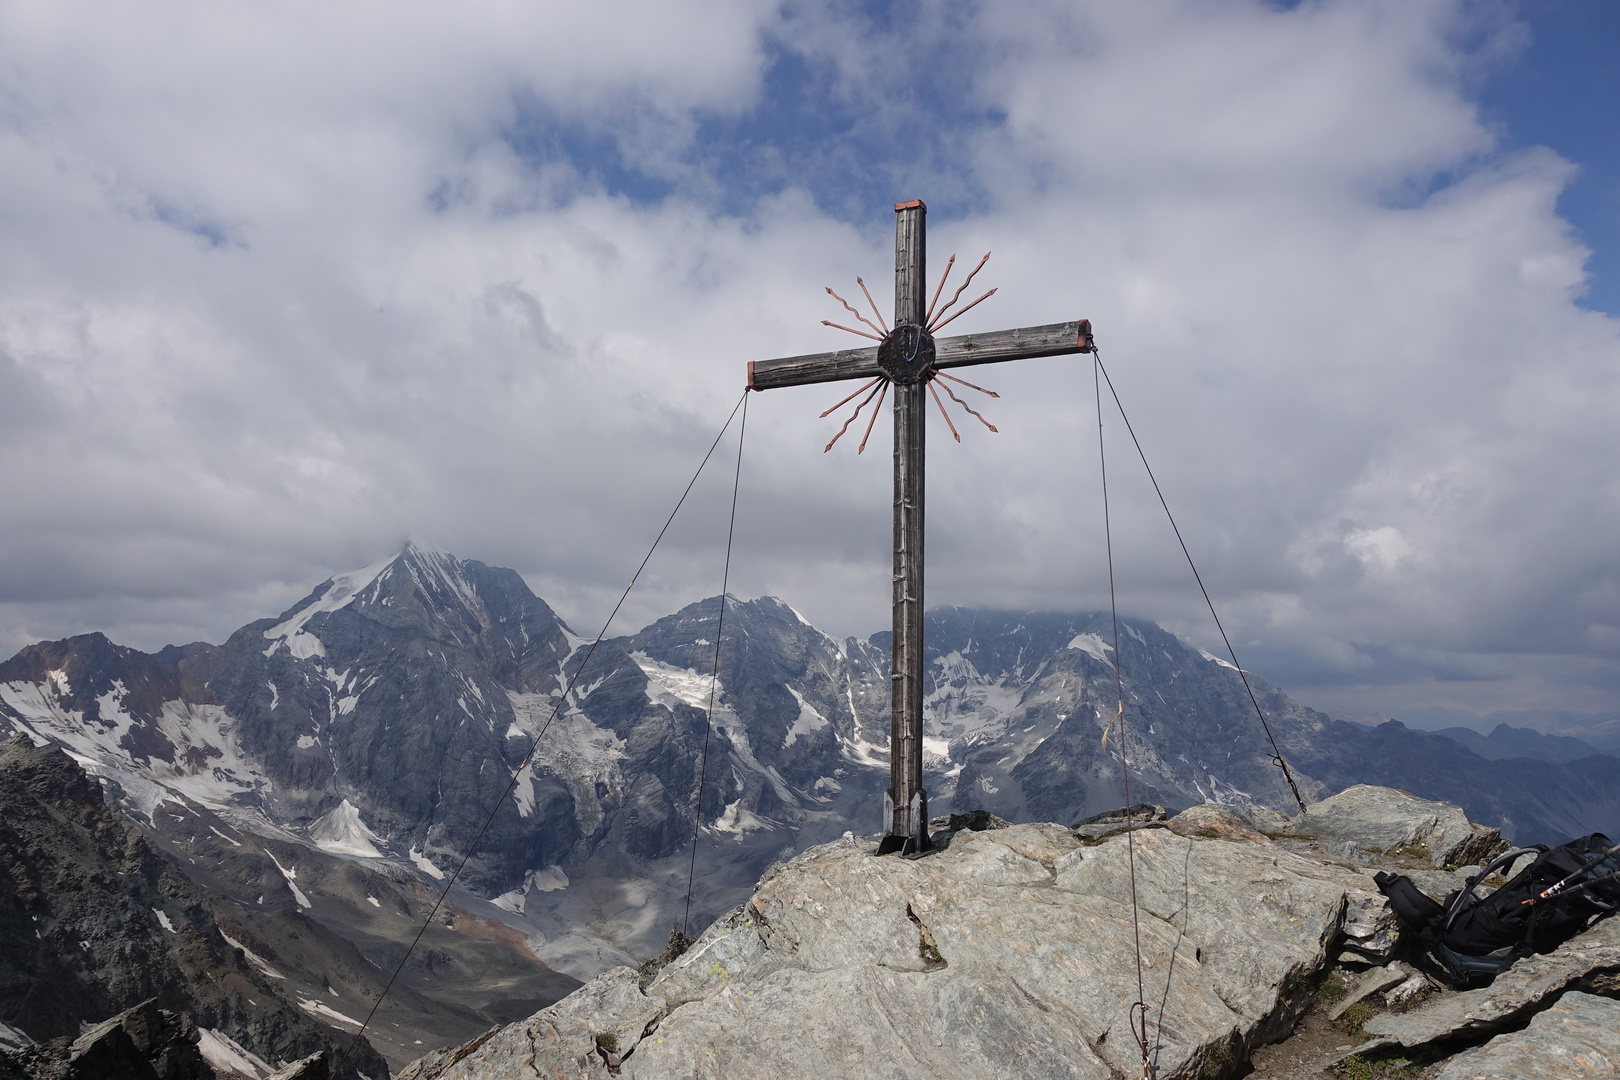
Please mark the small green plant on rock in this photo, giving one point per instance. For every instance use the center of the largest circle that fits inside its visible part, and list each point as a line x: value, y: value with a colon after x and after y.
x: 1417, y: 852
x: 1332, y: 988
x: 1356, y: 1017
x: 1357, y: 1068
x: 608, y: 1043
x: 926, y: 949
x: 1218, y: 1061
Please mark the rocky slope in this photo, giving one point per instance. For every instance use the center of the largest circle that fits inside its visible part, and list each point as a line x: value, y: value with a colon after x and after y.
x: 1013, y: 951
x: 93, y: 921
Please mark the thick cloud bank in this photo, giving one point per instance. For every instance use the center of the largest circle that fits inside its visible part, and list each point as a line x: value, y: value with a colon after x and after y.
x: 282, y: 285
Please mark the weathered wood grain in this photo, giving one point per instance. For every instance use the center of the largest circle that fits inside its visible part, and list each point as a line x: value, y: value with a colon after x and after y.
x: 1054, y: 339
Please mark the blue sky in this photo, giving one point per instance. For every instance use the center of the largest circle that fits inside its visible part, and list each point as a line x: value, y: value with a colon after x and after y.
x: 282, y: 286
x: 1553, y: 81
x: 1561, y: 89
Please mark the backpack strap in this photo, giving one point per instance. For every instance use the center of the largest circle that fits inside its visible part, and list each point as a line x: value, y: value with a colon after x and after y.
x: 1415, y: 908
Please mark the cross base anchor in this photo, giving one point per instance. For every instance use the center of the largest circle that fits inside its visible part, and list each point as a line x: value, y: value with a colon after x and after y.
x: 914, y: 842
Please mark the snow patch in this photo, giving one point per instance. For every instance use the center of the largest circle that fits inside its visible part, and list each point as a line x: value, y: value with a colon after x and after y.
x: 163, y: 920
x: 222, y: 836
x: 1093, y: 646
x: 856, y: 748
x: 550, y: 879
x: 741, y: 822
x: 253, y: 958
x: 13, y: 1038
x: 227, y: 1055
x: 325, y: 1011
x: 372, y: 900
x: 341, y: 832
x: 344, y: 588
x: 575, y: 751
x: 306, y: 741
x: 808, y: 720
x: 667, y: 684
x: 112, y: 712
x: 298, y: 894
x: 523, y: 790
x: 1207, y: 655
x: 275, y: 696
x: 424, y: 864
x: 252, y: 820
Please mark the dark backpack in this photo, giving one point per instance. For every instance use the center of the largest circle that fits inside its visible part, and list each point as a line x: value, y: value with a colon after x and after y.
x: 1472, y: 940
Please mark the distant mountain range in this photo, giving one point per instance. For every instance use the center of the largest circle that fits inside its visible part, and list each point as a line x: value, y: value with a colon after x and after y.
x: 375, y: 724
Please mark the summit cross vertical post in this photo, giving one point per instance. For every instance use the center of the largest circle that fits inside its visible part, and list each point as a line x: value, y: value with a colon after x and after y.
x: 909, y: 357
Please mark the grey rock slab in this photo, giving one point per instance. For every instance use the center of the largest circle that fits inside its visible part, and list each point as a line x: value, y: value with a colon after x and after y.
x: 1263, y: 818
x: 1370, y: 983
x: 1371, y: 928
x: 1215, y: 822
x: 1383, y: 819
x: 1518, y: 990
x: 568, y: 1040
x: 1408, y: 990
x: 313, y: 1067
x: 1578, y: 1038
x: 1353, y: 961
x: 1010, y: 953
x: 881, y: 1022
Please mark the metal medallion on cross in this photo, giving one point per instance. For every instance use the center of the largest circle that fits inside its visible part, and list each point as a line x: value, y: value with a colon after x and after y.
x: 910, y: 358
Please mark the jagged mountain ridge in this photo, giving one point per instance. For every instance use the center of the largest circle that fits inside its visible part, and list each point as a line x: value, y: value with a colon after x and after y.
x: 383, y: 716
x: 94, y: 921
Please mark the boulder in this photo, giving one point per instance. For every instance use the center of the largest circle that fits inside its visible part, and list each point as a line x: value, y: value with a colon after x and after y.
x: 1400, y: 825
x: 1213, y: 821
x: 972, y: 820
x: 943, y: 829
x: 1578, y: 1038
x: 1370, y: 983
x: 1009, y: 953
x: 1372, y: 930
x: 1408, y: 990
x: 1110, y: 822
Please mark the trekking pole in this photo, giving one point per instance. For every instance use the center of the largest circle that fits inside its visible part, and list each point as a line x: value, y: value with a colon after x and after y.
x: 1558, y: 886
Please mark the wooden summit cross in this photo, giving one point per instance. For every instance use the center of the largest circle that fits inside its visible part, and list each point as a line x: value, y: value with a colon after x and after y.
x: 910, y: 358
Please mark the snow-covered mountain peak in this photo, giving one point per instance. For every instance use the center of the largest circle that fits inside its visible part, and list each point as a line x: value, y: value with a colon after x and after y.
x: 442, y: 578
x: 335, y: 593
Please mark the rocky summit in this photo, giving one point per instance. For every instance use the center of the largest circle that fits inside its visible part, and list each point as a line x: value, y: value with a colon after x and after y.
x: 1013, y: 951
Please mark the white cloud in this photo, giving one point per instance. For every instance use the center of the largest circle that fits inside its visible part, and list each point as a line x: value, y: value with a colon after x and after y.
x: 280, y: 286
